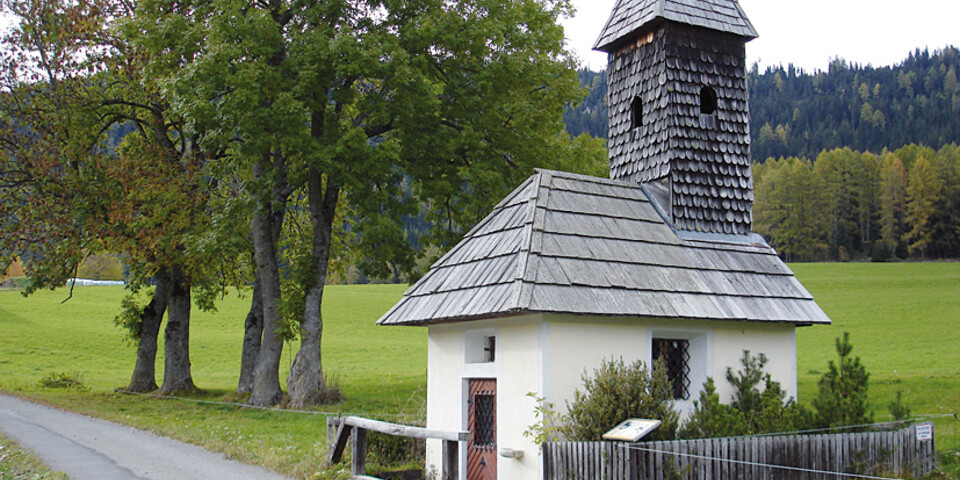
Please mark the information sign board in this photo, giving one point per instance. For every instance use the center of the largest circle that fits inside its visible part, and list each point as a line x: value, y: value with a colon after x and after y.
x: 631, y: 429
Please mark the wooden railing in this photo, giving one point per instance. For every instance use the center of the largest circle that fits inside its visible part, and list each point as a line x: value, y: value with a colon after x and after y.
x: 788, y: 457
x: 339, y: 430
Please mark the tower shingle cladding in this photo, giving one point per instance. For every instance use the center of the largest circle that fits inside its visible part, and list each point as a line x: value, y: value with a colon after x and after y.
x: 703, y: 159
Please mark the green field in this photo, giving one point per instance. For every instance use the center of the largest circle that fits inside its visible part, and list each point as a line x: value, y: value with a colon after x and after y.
x: 904, y: 321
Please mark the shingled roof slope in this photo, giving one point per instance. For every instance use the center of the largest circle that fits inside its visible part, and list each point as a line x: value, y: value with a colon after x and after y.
x: 566, y: 243
x: 629, y: 16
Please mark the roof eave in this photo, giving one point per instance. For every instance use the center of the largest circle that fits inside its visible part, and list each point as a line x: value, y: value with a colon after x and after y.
x: 517, y: 313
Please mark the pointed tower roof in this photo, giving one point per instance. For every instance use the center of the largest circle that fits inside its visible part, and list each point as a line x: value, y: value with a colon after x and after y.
x: 630, y: 15
x: 572, y: 244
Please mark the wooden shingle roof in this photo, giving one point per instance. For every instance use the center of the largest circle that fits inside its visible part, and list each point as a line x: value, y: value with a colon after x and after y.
x: 566, y: 243
x: 628, y: 16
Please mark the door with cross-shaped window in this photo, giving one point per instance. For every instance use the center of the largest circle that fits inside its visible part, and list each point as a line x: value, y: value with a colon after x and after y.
x: 482, y: 424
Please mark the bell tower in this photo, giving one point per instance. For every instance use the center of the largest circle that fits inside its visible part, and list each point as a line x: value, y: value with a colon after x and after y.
x: 679, y: 121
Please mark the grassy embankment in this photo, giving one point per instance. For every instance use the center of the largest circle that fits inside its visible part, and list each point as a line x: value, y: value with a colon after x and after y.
x: 16, y: 464
x: 904, y: 321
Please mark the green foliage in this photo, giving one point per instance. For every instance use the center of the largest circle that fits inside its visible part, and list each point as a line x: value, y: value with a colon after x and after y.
x: 790, y: 201
x: 924, y: 193
x: 131, y: 311
x: 845, y: 203
x: 548, y: 426
x: 711, y: 418
x: 899, y: 410
x: 63, y: 380
x: 747, y: 397
x: 842, y: 397
x: 617, y: 391
x: 105, y: 266
x: 752, y: 411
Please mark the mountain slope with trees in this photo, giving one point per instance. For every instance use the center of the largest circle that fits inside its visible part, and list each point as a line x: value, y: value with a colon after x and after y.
x: 799, y: 113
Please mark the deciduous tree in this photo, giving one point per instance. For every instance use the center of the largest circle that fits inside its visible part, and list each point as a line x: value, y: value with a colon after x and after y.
x: 923, y: 193
x: 352, y: 100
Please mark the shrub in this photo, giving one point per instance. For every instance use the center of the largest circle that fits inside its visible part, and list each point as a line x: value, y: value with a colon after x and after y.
x: 711, y: 418
x: 842, y: 396
x: 881, y: 252
x: 752, y: 410
x: 105, y: 266
x: 618, y: 391
x: 899, y: 410
x: 62, y: 380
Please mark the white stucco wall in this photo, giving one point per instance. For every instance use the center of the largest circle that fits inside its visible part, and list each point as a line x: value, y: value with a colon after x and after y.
x: 548, y: 355
x: 777, y: 341
x: 516, y: 368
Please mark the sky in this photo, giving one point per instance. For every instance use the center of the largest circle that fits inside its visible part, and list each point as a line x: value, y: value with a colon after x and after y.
x: 809, y: 33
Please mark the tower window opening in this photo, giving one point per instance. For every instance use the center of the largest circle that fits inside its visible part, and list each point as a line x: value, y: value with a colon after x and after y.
x: 708, y: 101
x: 636, y: 112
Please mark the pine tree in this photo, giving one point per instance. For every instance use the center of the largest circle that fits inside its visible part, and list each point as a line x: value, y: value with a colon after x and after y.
x: 842, y: 396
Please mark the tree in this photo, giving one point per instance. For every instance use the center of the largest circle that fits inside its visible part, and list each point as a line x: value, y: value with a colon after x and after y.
x: 893, y: 201
x: 842, y: 396
x: 91, y: 136
x: 946, y: 213
x: 349, y: 101
x: 839, y: 171
x: 923, y: 192
x: 711, y: 418
x: 789, y: 208
x: 617, y: 391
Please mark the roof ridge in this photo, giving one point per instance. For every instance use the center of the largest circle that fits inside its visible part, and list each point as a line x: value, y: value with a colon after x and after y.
x: 529, y: 257
x: 588, y: 178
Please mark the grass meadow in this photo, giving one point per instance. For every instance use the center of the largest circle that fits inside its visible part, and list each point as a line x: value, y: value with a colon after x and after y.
x: 904, y: 321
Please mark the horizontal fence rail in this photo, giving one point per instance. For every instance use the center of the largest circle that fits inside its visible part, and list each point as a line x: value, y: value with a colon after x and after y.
x: 789, y: 457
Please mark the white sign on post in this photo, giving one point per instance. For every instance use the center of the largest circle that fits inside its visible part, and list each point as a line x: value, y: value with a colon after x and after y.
x: 924, y: 432
x: 631, y: 430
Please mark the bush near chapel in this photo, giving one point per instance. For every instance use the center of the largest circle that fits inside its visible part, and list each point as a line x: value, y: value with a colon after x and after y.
x: 618, y: 391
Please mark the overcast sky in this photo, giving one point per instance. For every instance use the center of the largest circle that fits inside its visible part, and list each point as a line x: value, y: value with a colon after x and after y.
x: 808, y: 33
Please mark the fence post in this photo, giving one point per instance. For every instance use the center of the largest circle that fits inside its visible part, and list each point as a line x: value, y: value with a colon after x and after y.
x: 451, y: 460
x: 358, y: 462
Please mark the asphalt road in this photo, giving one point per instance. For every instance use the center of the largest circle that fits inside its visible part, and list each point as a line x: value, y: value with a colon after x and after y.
x: 89, y: 448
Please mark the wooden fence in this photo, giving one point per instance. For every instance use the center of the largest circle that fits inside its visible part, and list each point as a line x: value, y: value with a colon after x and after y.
x: 794, y: 457
x: 340, y: 431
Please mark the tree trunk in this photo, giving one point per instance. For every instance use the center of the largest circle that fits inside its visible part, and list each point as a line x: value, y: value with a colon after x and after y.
x: 305, y: 383
x: 144, y: 378
x: 267, y: 220
x: 176, y: 372
x: 252, y: 335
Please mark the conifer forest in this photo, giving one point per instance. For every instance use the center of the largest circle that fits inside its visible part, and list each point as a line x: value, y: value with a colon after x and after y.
x: 856, y: 162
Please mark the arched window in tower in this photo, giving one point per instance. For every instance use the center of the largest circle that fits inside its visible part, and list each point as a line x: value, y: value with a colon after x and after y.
x: 636, y: 113
x: 708, y: 101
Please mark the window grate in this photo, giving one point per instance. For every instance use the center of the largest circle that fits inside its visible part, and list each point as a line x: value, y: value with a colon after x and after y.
x: 484, y: 409
x: 676, y: 357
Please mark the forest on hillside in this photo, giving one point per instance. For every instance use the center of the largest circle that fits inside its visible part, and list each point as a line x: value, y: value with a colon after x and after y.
x: 854, y: 162
x: 848, y: 205
x: 799, y: 113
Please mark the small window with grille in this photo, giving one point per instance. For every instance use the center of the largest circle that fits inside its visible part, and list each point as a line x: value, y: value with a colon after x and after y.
x: 484, y: 411
x: 675, y: 353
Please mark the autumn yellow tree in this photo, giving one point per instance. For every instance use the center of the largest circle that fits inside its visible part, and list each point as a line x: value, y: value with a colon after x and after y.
x: 923, y: 193
x: 893, y: 203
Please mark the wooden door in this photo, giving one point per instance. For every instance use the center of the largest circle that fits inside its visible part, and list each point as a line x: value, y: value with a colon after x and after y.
x: 482, y: 424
